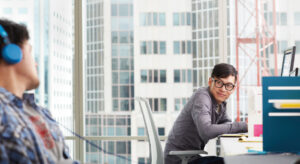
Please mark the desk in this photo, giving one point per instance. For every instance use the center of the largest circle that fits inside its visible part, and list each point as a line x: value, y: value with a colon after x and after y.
x: 236, y: 152
x: 263, y: 159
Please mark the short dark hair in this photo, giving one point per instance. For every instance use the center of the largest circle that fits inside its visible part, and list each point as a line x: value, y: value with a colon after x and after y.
x: 224, y: 70
x: 17, y: 33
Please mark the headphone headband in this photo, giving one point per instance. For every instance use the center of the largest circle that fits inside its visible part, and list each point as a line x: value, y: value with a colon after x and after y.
x: 4, y: 35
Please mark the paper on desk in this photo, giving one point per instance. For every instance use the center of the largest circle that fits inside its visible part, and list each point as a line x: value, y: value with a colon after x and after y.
x: 250, y: 139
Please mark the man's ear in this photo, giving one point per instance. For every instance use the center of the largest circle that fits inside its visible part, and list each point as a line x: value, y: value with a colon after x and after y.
x: 210, y: 82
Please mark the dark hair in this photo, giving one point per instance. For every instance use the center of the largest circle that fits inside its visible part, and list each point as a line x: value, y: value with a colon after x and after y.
x: 224, y: 70
x: 17, y: 33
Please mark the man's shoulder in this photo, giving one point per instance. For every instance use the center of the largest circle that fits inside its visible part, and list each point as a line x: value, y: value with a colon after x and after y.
x: 202, y: 92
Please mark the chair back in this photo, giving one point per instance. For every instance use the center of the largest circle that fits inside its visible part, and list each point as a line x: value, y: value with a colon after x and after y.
x: 156, y: 153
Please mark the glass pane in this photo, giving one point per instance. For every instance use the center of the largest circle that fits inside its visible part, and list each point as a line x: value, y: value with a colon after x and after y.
x: 163, y: 104
x: 162, y: 19
x: 189, y: 76
x: 141, y: 131
x: 149, y: 47
x: 143, y: 76
x: 155, y: 47
x: 115, y: 91
x: 163, y: 75
x: 124, y: 50
x: 189, y: 47
x: 114, y: 50
x: 177, y: 104
x: 156, y: 104
x: 123, y: 10
x: 124, y: 37
x: 176, y: 19
x: 124, y: 64
x: 124, y: 23
x: 124, y: 105
x: 183, y: 47
x: 161, y: 131
x: 114, y: 10
x: 114, y: 37
x: 124, y: 77
x: 183, y: 76
x: 150, y: 76
x: 155, y: 76
x: 124, y: 91
x: 182, y: 18
x: 176, y: 76
x: 143, y: 47
x: 188, y: 17
x: 143, y: 19
x: 114, y: 64
x: 149, y: 19
x: 283, y: 18
x: 115, y: 78
x: 296, y: 18
x: 176, y: 47
x: 162, y: 46
x: 155, y: 22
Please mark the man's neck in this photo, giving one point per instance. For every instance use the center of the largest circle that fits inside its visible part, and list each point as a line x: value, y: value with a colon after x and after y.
x: 10, y: 81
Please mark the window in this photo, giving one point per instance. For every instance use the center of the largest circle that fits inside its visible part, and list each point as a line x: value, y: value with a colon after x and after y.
x: 162, y: 46
x: 182, y: 76
x: 152, y: 19
x: 296, y: 18
x: 123, y: 10
x: 182, y: 47
x: 161, y: 131
x: 283, y: 19
x: 282, y: 45
x: 162, y: 19
x: 297, y: 43
x: 143, y: 19
x: 163, y: 75
x: 176, y: 76
x: 176, y: 47
x: 23, y: 11
x: 181, y: 19
x: 141, y: 131
x: 176, y: 19
x: 7, y: 10
x: 153, y: 47
x: 158, y: 104
x: 153, y: 76
x: 143, y: 160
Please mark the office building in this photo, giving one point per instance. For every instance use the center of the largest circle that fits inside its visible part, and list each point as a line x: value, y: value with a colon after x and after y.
x: 132, y: 52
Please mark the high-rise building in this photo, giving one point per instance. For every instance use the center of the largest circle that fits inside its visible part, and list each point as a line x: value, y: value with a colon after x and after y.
x: 213, y: 34
x: 53, y: 44
x: 134, y: 49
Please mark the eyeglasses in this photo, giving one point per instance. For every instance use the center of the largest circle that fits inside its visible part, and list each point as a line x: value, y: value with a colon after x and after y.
x: 220, y: 84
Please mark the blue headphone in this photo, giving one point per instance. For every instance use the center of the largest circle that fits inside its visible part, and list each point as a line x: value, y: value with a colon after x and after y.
x: 11, y: 53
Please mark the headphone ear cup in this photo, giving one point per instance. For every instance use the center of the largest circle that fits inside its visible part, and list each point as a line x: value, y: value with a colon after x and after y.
x: 12, y: 54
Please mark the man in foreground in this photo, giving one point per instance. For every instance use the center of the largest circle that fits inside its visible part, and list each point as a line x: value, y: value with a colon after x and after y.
x: 28, y: 133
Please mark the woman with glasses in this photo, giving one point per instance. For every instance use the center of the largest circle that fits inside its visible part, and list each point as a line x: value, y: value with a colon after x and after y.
x: 204, y: 117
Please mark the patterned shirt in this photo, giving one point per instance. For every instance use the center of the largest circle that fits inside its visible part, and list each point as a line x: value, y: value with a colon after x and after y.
x: 28, y: 133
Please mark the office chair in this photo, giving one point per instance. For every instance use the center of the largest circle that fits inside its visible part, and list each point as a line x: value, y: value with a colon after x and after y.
x: 156, y: 152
